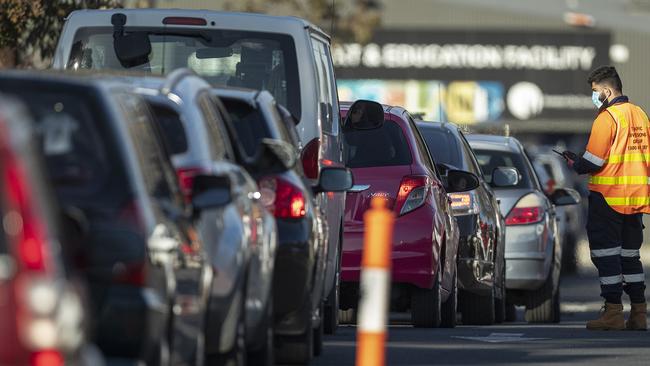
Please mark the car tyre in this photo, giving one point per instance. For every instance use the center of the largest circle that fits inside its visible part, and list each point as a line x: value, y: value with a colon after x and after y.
x: 426, y: 305
x: 477, y: 309
x: 450, y: 307
x: 298, y: 350
x: 543, y: 305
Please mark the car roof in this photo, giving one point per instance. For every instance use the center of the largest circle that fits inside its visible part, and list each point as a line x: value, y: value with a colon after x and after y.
x: 494, y: 142
x: 68, y: 78
x: 215, y: 18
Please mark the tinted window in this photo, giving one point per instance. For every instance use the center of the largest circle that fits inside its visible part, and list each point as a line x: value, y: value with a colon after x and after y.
x: 218, y: 144
x: 470, y: 160
x: 422, y: 149
x: 253, y: 60
x: 384, y: 146
x: 172, y: 128
x: 326, y: 94
x: 491, y: 159
x: 443, y: 146
x: 248, y: 123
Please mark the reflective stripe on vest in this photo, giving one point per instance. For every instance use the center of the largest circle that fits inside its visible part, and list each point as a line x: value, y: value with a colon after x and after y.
x: 624, y: 179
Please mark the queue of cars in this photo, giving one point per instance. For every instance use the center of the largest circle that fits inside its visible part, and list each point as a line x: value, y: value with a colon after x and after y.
x: 206, y: 208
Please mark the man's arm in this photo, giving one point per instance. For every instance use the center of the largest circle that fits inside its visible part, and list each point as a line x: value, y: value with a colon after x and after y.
x: 602, y: 135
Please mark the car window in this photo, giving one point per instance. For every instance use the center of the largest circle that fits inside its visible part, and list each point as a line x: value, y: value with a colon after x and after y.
x: 159, y: 178
x: 219, y: 146
x: 254, y: 60
x: 443, y: 145
x: 470, y: 159
x: 384, y: 146
x: 492, y: 159
x: 326, y: 94
x: 248, y: 123
x: 172, y: 127
x: 425, y: 155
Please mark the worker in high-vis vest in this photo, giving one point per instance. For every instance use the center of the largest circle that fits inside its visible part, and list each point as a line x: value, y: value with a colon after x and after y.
x: 618, y: 161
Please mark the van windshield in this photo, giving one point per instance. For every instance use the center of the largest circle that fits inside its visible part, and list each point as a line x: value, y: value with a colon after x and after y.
x: 254, y: 60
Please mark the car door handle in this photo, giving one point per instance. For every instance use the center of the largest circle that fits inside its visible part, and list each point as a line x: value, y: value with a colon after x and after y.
x: 359, y: 188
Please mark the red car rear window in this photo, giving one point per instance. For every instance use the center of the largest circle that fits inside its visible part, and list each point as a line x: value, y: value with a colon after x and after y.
x: 384, y: 146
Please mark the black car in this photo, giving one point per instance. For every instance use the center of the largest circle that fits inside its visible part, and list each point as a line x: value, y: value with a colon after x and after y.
x: 481, y: 263
x: 302, y: 233
x: 106, y: 162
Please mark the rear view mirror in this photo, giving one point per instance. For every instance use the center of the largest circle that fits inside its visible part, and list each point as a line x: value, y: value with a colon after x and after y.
x: 131, y: 49
x: 461, y: 181
x: 213, y: 52
x: 210, y: 191
x: 334, y: 180
x: 565, y: 197
x: 364, y: 115
x: 505, y: 177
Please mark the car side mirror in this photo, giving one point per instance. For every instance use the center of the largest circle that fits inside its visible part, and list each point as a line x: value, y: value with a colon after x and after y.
x: 364, y: 115
x: 334, y: 180
x: 461, y: 181
x: 505, y: 177
x: 210, y: 191
x: 565, y: 197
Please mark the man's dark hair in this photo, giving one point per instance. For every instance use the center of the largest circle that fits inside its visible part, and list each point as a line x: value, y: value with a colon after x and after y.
x: 606, y: 75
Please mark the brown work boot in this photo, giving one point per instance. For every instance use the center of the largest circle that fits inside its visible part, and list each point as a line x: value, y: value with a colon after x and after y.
x: 637, y: 319
x: 611, y: 318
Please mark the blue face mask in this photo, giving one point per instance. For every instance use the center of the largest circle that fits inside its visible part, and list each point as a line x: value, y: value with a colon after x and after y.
x: 595, y: 97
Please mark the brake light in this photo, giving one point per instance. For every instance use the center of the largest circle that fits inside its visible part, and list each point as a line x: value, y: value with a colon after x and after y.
x: 412, y: 193
x: 310, y: 159
x: 529, y: 210
x: 282, y: 198
x: 47, y: 358
x: 186, y: 180
x: 184, y: 21
x: 465, y: 203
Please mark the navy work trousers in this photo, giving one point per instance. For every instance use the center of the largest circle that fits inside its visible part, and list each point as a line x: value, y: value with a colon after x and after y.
x: 614, y: 243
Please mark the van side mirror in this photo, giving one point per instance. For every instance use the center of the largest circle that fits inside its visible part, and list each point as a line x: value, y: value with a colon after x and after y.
x: 210, y: 191
x: 461, y: 181
x: 505, y: 177
x: 364, y: 115
x: 334, y: 180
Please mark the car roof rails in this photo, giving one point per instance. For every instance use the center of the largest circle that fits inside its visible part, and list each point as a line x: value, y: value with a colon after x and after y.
x: 174, y: 78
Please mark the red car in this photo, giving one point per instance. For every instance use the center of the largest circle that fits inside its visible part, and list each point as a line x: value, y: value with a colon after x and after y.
x: 392, y: 161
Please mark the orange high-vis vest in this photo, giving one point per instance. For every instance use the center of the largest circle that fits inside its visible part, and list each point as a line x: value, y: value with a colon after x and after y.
x: 623, y: 151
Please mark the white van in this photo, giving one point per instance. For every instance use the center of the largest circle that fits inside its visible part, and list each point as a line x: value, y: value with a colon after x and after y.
x: 287, y: 56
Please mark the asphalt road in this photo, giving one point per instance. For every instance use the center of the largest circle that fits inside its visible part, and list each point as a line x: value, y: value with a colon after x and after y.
x: 517, y: 343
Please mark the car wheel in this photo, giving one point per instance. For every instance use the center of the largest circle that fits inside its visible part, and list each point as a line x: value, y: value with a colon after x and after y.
x: 264, y: 355
x: 330, y: 315
x: 477, y: 309
x: 347, y: 316
x: 543, y: 305
x: 319, y: 333
x: 425, y: 305
x: 450, y: 307
x: 297, y: 350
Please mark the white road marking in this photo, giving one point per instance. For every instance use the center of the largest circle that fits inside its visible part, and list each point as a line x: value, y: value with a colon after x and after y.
x: 501, y: 338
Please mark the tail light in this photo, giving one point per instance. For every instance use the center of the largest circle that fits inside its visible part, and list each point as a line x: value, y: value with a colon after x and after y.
x: 186, y: 180
x: 413, y: 191
x: 282, y: 198
x: 310, y: 159
x: 47, y: 358
x: 465, y: 203
x: 529, y: 210
x: 130, y: 274
x: 184, y: 21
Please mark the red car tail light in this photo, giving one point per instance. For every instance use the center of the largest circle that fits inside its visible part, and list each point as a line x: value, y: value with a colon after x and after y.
x: 47, y: 358
x: 529, y: 210
x: 310, y: 159
x: 186, y: 180
x: 282, y: 198
x: 184, y: 21
x: 412, y: 193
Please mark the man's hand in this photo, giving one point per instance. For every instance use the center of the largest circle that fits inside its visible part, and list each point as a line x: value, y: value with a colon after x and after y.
x: 569, y: 162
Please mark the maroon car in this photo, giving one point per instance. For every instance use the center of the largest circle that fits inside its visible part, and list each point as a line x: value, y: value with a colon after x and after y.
x: 391, y: 160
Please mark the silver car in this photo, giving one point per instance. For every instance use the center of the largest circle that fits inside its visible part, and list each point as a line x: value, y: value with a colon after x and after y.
x: 533, y: 251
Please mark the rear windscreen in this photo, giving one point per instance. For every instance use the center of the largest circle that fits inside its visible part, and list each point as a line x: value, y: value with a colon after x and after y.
x: 172, y: 127
x: 249, y: 124
x: 492, y: 159
x: 443, y: 146
x: 384, y: 146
